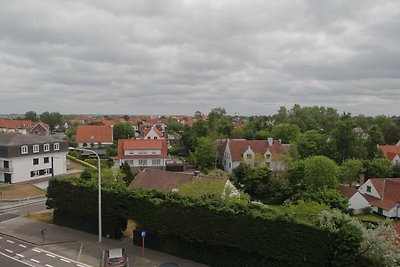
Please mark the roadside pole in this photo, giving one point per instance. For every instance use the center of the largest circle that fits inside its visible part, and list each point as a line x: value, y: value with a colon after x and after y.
x: 143, y: 234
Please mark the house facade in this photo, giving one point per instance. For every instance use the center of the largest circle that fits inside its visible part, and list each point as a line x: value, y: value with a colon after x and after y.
x: 383, y: 195
x: 391, y: 153
x: 152, y: 133
x: 234, y: 151
x: 25, y: 157
x: 140, y: 153
x: 357, y: 202
x: 94, y: 136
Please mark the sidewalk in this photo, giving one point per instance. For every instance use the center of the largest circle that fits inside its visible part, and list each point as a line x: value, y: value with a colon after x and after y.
x: 84, y: 247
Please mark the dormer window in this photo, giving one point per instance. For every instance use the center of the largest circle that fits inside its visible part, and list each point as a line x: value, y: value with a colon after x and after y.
x: 248, y: 156
x: 56, y: 146
x: 35, y: 148
x: 24, y: 149
x: 46, y: 147
x: 268, y: 156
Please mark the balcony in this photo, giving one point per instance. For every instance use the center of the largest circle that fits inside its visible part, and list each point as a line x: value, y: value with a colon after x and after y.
x: 6, y: 170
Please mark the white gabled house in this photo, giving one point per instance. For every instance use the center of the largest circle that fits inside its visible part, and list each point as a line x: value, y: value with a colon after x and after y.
x: 25, y: 157
x: 392, y: 153
x: 234, y: 151
x: 141, y: 153
x: 152, y: 133
x: 383, y: 194
x: 357, y: 202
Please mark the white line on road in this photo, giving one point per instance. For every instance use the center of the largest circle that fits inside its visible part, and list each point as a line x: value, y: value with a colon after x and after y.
x: 9, y: 251
x: 20, y: 255
x: 36, y: 250
x: 9, y: 241
x: 35, y: 260
x: 22, y: 246
x: 61, y: 257
x: 64, y: 260
x: 80, y: 265
x: 5, y: 213
x: 48, y: 265
x: 27, y: 264
x: 50, y: 255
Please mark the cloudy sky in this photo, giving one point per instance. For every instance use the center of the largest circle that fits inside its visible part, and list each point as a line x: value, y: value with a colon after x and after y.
x: 177, y: 57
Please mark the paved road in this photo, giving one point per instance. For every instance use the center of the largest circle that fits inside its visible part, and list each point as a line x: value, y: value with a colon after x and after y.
x: 14, y: 212
x: 32, y: 255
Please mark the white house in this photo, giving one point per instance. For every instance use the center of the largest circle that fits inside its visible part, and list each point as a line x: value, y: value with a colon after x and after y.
x: 357, y: 202
x: 152, y: 133
x: 391, y: 153
x: 25, y: 157
x: 142, y: 152
x: 234, y: 151
x: 383, y: 194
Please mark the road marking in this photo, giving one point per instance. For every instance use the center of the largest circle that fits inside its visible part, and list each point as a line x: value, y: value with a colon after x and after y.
x: 20, y: 255
x: 48, y: 265
x: 5, y: 213
x: 80, y: 265
x: 22, y: 246
x: 62, y: 257
x: 9, y: 241
x: 35, y: 260
x: 12, y: 258
x: 9, y: 251
x: 1, y: 237
x: 36, y: 250
x: 64, y: 260
x: 50, y: 255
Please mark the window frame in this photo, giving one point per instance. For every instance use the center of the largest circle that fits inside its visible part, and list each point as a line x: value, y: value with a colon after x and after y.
x: 35, y: 159
x: 56, y: 146
x: 35, y: 149
x: 369, y: 188
x: 24, y: 150
x: 46, y: 147
x: 46, y: 160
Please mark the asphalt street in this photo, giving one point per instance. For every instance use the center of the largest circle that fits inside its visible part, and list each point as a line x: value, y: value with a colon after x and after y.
x: 8, y: 213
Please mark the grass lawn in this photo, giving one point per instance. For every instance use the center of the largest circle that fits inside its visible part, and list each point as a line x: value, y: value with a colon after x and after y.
x: 46, y: 216
x: 375, y: 218
x: 17, y: 191
x: 74, y: 165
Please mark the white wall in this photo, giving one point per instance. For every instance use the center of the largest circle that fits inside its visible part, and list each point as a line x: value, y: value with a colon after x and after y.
x: 22, y: 166
x: 152, y: 135
x: 143, y: 152
x: 363, y: 189
x: 357, y: 202
x: 149, y: 162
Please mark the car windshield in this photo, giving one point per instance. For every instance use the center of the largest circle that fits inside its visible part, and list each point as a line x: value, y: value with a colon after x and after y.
x: 116, y: 260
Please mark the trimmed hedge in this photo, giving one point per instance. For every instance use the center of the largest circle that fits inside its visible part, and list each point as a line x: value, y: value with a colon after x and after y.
x: 210, y: 225
x: 81, y: 162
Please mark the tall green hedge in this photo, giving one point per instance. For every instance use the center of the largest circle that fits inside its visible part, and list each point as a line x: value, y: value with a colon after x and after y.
x: 249, y: 229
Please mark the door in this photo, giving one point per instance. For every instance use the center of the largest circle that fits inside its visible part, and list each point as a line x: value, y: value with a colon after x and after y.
x: 7, y: 178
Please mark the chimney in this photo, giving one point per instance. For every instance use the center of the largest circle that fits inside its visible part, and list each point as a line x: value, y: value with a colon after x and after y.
x: 270, y: 141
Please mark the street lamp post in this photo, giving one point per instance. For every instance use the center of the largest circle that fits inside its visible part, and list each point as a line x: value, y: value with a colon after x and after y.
x: 99, y: 185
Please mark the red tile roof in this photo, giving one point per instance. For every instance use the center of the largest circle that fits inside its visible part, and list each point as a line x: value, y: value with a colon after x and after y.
x: 347, y: 191
x: 147, y: 130
x: 239, y: 146
x: 142, y: 144
x: 390, y: 151
x: 389, y: 189
x: 94, y: 134
x: 16, y: 124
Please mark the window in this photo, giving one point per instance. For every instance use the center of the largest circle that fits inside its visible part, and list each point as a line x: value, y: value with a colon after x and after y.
x: 46, y: 147
x: 35, y: 173
x: 142, y: 162
x: 46, y: 160
x: 268, y: 156
x: 248, y: 156
x: 56, y: 146
x: 35, y: 148
x: 35, y: 161
x: 24, y: 149
x: 156, y: 162
x: 368, y: 188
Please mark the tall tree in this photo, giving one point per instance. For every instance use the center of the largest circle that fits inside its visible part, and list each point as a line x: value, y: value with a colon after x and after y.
x: 375, y: 138
x: 350, y: 171
x: 205, y: 153
x: 314, y: 143
x: 31, y: 115
x: 52, y: 119
x: 286, y: 132
x: 123, y: 130
x: 320, y: 172
x: 380, y: 168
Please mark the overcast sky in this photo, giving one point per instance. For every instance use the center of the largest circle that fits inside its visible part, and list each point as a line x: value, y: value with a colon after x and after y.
x: 177, y: 57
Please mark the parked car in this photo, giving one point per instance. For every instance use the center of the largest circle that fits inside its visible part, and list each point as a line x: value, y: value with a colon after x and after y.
x: 116, y: 257
x: 169, y: 264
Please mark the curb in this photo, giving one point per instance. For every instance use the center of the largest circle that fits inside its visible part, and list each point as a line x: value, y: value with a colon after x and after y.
x: 22, y: 199
x: 19, y: 204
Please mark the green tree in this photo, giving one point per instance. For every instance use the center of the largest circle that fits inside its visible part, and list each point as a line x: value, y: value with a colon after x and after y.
x: 52, y: 119
x: 286, y: 132
x: 87, y: 174
x: 282, y: 116
x: 173, y: 125
x: 390, y: 130
x: 126, y: 169
x: 313, y: 143
x: 375, y: 138
x: 31, y: 115
x: 329, y: 197
x: 379, y: 168
x: 123, y: 130
x: 205, y: 153
x: 396, y: 170
x: 237, y: 133
x: 262, y: 135
x: 350, y: 171
x: 320, y: 172
x: 214, y: 116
